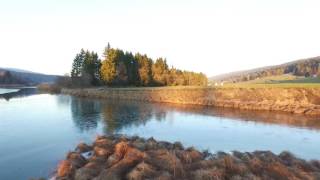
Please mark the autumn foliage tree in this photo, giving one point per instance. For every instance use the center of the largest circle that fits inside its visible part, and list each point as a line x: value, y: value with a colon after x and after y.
x: 108, y: 65
x: 145, y: 71
x: 160, y: 72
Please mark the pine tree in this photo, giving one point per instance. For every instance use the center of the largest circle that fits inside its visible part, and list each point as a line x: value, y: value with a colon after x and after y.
x: 86, y: 69
x: 97, y: 66
x: 132, y: 69
x: 108, y: 65
x: 160, y: 72
x: 145, y: 69
x: 77, y: 64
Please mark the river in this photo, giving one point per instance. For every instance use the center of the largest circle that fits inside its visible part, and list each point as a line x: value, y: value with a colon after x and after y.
x: 37, y: 130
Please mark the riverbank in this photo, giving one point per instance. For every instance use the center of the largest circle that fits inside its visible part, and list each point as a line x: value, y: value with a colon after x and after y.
x: 51, y: 88
x: 120, y: 157
x: 291, y: 99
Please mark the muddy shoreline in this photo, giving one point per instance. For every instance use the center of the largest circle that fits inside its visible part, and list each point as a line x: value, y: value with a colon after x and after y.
x: 134, y: 158
x: 292, y: 100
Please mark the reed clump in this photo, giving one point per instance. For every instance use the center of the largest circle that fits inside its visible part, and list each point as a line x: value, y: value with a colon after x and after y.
x: 135, y: 158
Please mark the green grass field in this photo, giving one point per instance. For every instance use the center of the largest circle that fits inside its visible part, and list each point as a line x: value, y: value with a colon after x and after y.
x: 283, y: 81
x: 278, y: 85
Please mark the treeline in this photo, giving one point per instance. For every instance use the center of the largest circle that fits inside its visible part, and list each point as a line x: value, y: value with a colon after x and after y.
x: 12, y: 77
x: 119, y: 68
x: 7, y: 78
x: 307, y: 67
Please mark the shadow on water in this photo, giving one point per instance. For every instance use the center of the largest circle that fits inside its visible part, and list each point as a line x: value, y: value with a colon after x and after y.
x: 18, y: 94
x: 119, y: 114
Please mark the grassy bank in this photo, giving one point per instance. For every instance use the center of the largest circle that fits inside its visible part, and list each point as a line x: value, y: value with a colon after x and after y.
x: 51, y: 88
x: 300, y: 100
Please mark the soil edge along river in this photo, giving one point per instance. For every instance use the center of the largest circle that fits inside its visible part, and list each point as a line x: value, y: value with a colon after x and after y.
x: 293, y: 100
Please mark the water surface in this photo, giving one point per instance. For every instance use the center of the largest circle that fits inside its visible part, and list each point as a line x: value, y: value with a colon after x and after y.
x: 7, y: 90
x: 36, y: 131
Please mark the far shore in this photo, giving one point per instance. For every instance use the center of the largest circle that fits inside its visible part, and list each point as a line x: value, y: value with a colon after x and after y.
x: 15, y: 86
x: 296, y: 100
x: 12, y: 85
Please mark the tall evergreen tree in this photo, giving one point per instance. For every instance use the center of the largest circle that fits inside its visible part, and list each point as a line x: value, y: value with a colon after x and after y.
x: 85, y: 69
x: 77, y: 64
x: 91, y: 68
x: 132, y: 69
x: 108, y: 67
x: 145, y: 69
x: 160, y: 72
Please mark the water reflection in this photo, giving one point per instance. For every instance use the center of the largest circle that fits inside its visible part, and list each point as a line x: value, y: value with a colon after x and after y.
x: 268, y: 117
x: 85, y: 113
x: 116, y: 115
x: 47, y: 126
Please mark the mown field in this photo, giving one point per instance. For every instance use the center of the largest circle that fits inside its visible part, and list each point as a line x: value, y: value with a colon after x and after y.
x: 284, y: 81
x: 278, y: 85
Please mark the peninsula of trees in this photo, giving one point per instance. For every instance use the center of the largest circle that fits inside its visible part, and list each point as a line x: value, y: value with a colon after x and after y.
x: 119, y: 68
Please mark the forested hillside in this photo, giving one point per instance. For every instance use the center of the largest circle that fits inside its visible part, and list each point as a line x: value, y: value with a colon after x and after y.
x: 7, y: 78
x: 304, y: 67
x: 22, y: 77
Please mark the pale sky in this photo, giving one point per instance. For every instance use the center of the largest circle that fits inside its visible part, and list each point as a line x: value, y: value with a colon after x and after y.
x: 211, y: 36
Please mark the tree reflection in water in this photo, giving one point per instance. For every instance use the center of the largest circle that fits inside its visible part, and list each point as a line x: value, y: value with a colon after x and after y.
x: 118, y: 114
x: 85, y: 113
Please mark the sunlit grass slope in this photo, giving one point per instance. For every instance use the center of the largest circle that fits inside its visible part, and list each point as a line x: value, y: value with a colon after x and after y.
x: 286, y: 80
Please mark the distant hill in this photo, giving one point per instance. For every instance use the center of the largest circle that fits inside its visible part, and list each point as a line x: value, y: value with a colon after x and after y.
x: 303, y: 67
x: 23, y: 77
x: 17, y: 70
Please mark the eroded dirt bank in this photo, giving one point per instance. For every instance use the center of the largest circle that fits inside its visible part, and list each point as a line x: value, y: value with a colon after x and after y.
x: 293, y: 100
x: 118, y: 157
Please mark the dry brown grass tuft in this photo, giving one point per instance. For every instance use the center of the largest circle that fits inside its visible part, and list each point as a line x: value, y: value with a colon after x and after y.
x: 103, y: 142
x: 65, y: 169
x: 208, y: 174
x: 279, y: 171
x: 121, y: 149
x: 76, y: 159
x: 141, y: 171
x: 98, y: 151
x: 119, y: 158
x: 189, y: 156
x: 166, y: 160
x: 255, y: 165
